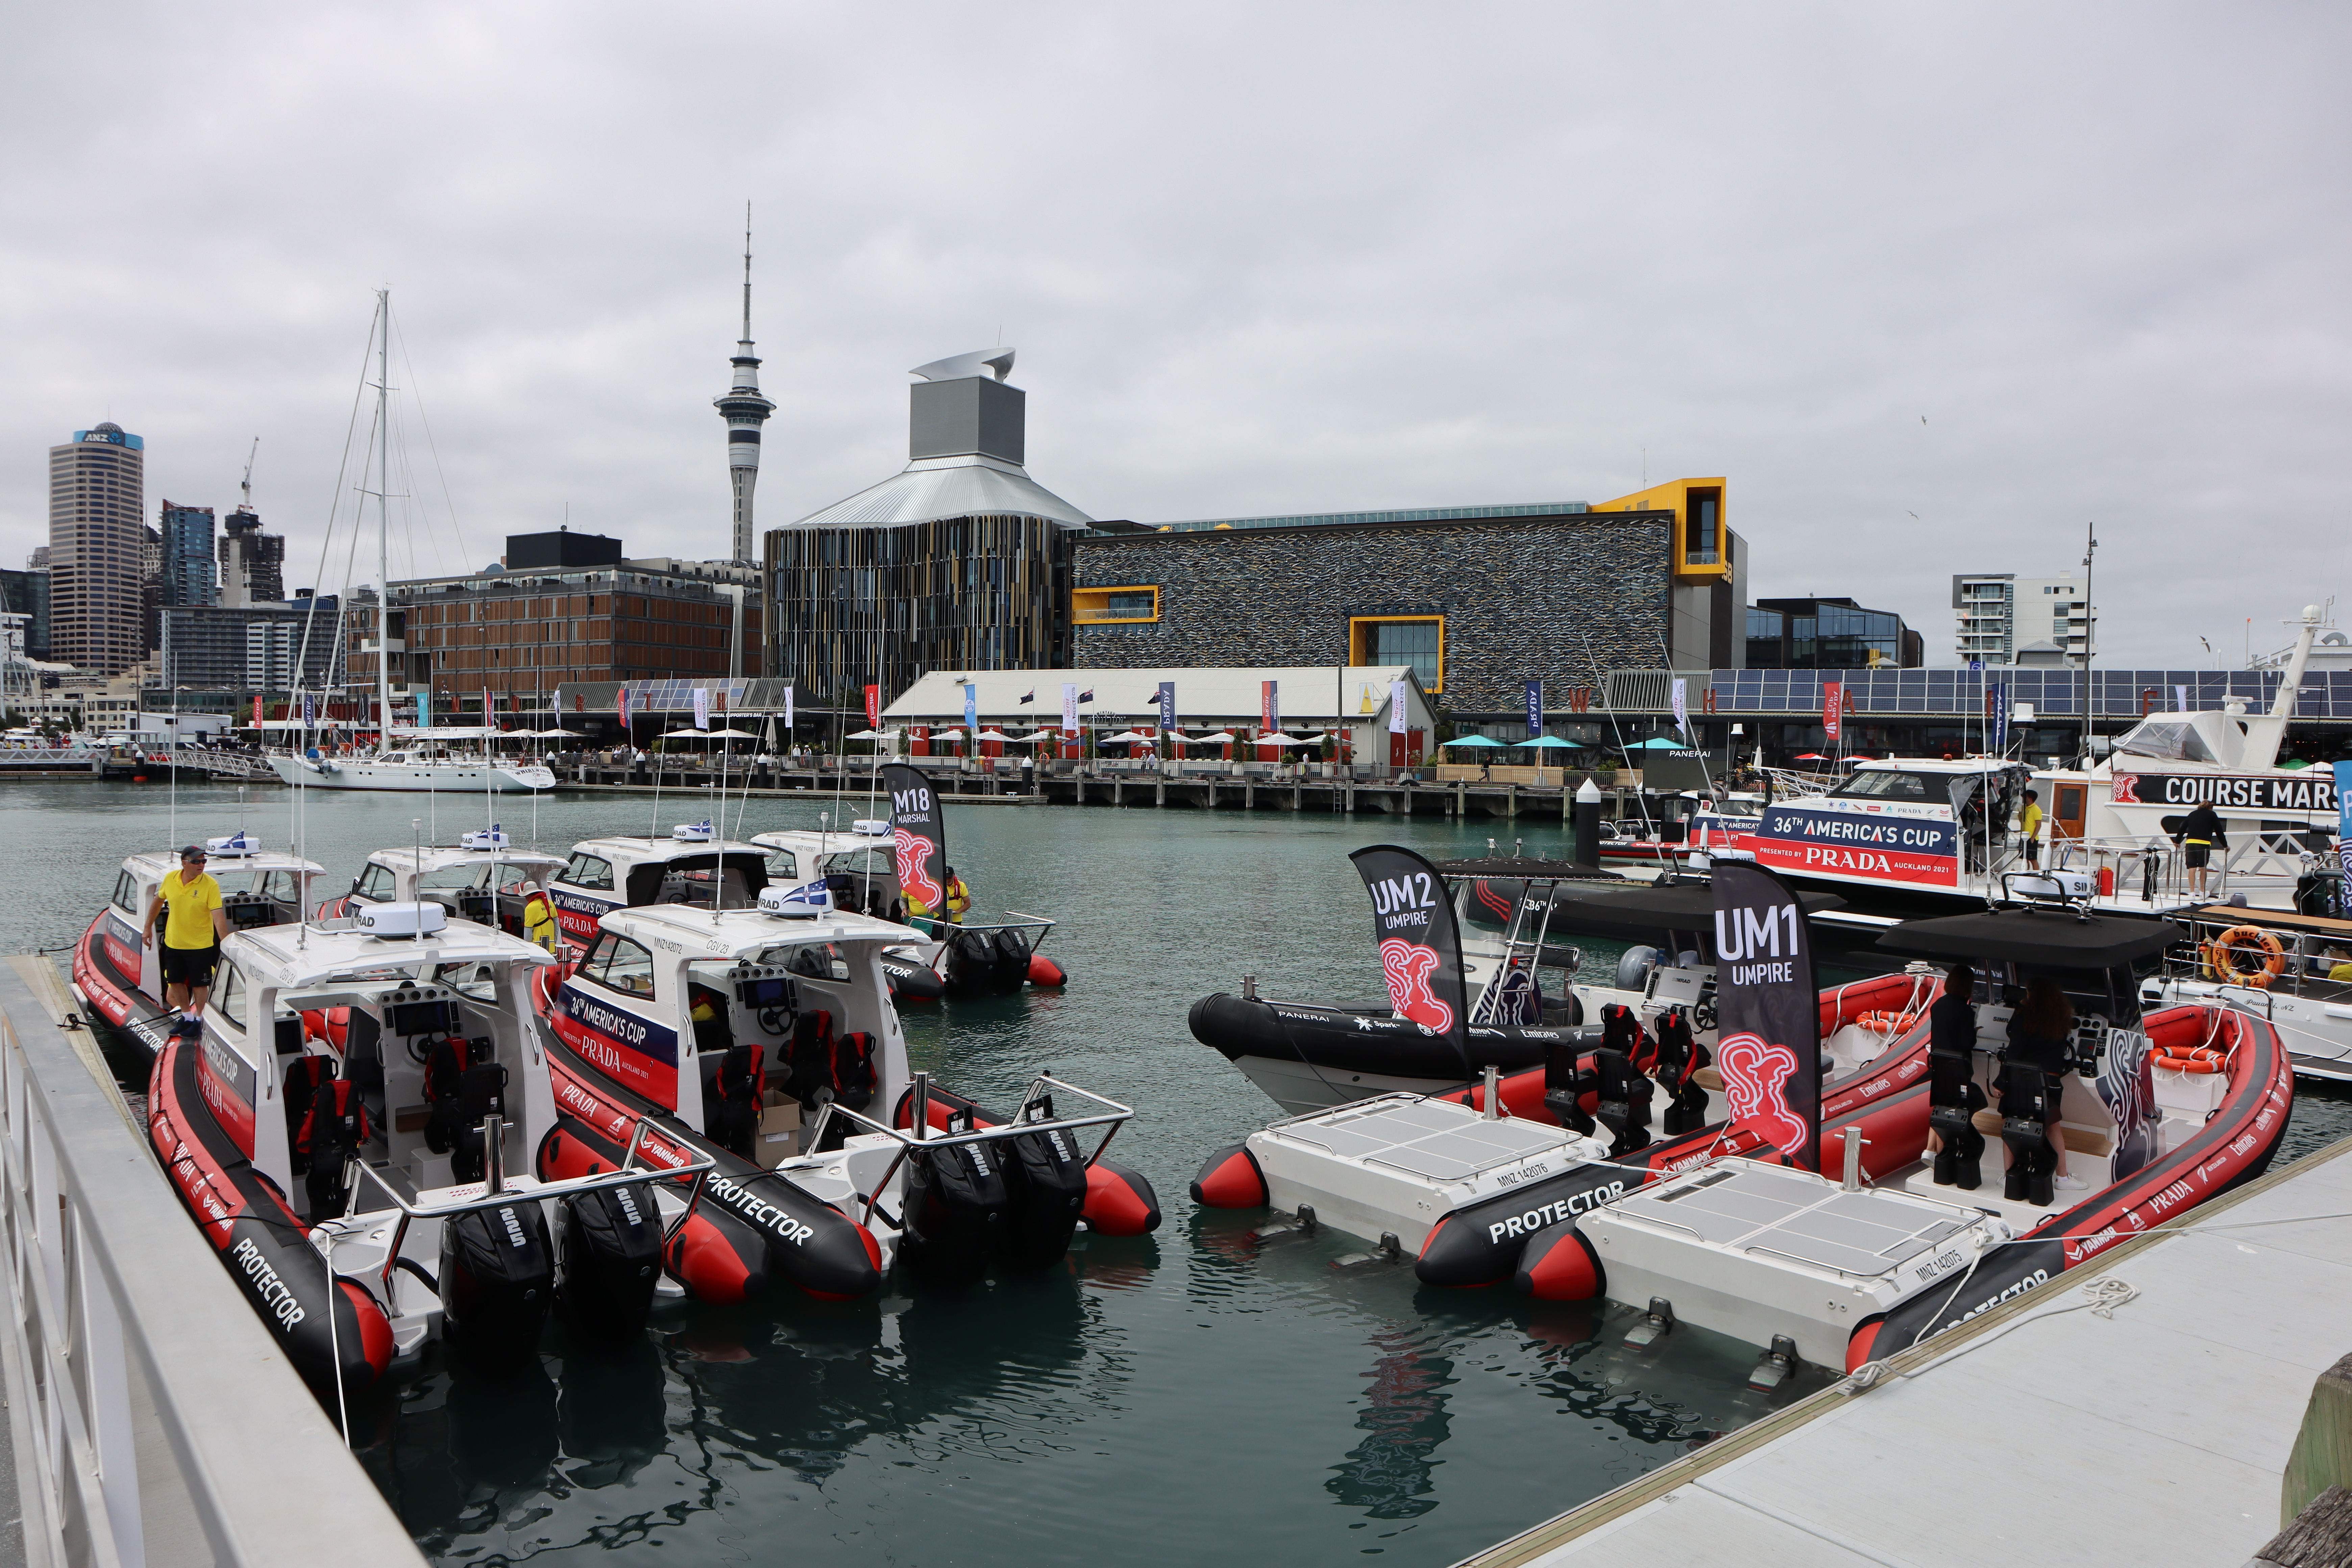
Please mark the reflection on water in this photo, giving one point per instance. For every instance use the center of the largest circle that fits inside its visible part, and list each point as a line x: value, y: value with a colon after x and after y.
x: 1174, y: 1399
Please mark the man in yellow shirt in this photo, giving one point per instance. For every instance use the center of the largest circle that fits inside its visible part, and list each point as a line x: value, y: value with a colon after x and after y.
x: 193, y: 927
x: 2028, y: 824
x: 959, y: 898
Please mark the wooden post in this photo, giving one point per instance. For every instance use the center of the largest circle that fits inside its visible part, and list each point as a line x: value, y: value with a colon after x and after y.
x: 2323, y: 1445
x: 2318, y: 1536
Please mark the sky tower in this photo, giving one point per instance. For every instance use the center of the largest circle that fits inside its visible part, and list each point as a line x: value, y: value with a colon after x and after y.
x: 745, y: 411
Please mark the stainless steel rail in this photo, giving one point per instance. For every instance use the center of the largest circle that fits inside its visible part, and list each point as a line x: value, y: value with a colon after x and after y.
x: 155, y: 1421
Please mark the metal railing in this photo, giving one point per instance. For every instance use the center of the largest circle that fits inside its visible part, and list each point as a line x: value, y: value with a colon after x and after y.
x: 154, y: 1419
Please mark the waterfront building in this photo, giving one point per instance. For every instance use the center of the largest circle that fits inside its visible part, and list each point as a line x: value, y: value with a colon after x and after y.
x: 562, y: 607
x: 1478, y: 599
x: 959, y: 562
x: 97, y: 540
x: 252, y: 648
x: 252, y: 562
x: 1829, y: 634
x: 1352, y: 704
x: 27, y: 593
x: 190, y: 576
x: 745, y: 411
x: 2000, y: 618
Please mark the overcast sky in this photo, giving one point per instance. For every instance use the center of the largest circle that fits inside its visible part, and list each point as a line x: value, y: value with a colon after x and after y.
x: 1932, y: 287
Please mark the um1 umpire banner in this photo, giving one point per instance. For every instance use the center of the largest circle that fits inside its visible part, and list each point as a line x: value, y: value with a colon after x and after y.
x: 1421, y: 947
x: 918, y: 840
x: 1768, y: 1017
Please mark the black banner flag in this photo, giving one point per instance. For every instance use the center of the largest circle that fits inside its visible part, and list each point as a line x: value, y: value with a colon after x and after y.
x: 1421, y: 946
x: 1768, y: 1010
x: 918, y: 840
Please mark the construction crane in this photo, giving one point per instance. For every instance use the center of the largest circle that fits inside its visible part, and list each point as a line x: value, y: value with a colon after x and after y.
x: 246, y: 484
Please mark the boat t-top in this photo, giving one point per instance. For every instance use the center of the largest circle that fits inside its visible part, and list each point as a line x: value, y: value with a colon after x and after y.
x: 695, y: 866
x: 482, y: 878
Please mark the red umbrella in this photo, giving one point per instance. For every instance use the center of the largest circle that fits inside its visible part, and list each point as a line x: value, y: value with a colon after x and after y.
x: 1858, y: 757
x: 1811, y: 757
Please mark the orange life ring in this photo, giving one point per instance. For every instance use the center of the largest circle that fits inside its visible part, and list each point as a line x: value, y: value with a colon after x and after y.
x: 1888, y: 1021
x: 2187, y: 1064
x: 2222, y: 953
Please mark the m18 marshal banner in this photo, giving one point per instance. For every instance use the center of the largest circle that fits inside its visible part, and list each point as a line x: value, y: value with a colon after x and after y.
x: 1768, y: 1017
x: 918, y: 840
x: 1421, y: 947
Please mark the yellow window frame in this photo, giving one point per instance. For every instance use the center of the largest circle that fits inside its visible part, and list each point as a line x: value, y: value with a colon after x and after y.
x: 1360, y: 649
x: 1087, y: 604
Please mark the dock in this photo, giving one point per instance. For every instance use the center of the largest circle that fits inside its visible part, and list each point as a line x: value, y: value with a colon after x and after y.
x: 2176, y: 1400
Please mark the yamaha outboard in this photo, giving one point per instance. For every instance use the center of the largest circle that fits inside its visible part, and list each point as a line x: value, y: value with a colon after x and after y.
x: 1046, y: 1188
x: 498, y: 1269
x: 970, y: 962
x: 955, y: 1208
x: 612, y: 1259
x: 1012, y: 959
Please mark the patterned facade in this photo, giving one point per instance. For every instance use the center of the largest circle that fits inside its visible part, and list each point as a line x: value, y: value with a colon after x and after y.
x: 1511, y: 599
x: 97, y: 546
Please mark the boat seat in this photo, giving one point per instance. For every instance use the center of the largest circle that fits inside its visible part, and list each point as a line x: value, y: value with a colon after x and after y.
x: 2029, y: 1103
x: 1625, y: 1104
x: 1569, y: 1086
x: 1954, y: 1101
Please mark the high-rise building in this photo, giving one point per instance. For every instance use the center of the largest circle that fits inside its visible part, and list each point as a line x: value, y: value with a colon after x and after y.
x: 189, y: 575
x: 1829, y: 634
x: 151, y: 588
x: 97, y: 500
x: 2006, y: 619
x: 745, y: 411
x: 27, y: 593
x: 252, y: 564
x: 252, y: 648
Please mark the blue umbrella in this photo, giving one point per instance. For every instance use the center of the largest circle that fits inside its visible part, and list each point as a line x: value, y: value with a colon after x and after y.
x: 1474, y: 741
x: 1552, y: 742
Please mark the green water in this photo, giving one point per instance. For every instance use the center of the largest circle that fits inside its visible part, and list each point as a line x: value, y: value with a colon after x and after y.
x: 1180, y: 1398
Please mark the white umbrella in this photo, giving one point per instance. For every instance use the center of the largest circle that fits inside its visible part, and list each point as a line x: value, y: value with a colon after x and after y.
x: 1128, y: 735
x: 558, y: 733
x: 991, y: 735
x: 1287, y: 741
x: 1220, y: 737
x: 868, y: 735
x: 1031, y: 737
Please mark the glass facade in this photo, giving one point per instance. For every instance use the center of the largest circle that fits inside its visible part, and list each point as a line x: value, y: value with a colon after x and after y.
x: 1419, y: 643
x: 1824, y: 634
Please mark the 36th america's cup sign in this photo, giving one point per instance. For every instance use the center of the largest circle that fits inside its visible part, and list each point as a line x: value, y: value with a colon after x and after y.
x: 1767, y: 1044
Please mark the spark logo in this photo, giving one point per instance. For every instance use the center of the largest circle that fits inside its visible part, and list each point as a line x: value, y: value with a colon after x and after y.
x: 1755, y: 1080
x: 915, y: 878
x: 1408, y: 967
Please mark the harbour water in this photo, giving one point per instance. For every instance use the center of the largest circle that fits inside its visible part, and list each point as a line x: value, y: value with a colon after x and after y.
x: 1174, y: 1399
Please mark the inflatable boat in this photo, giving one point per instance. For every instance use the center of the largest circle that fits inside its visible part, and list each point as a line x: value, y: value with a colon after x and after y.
x: 763, y: 1041
x: 347, y: 1123
x: 2156, y: 1114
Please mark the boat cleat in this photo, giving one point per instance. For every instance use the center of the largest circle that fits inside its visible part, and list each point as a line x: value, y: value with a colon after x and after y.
x: 1775, y: 1365
x: 1390, y: 1250
x: 1303, y: 1223
x: 1655, y: 1325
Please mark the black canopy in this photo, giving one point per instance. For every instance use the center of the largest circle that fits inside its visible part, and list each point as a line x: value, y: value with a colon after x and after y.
x: 2054, y: 937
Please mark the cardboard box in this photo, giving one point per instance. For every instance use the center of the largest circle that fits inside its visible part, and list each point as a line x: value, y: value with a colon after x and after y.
x: 779, y: 1137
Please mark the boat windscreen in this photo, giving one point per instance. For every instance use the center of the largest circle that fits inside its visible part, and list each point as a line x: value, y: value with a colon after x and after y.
x: 2168, y: 739
x: 1887, y: 783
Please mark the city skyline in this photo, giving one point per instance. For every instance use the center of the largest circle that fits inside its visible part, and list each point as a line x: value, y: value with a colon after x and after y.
x: 1931, y: 300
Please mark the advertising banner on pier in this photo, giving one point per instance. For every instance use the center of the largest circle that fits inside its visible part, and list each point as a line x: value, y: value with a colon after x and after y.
x: 1421, y: 946
x: 971, y: 708
x: 1269, y: 702
x: 1535, y: 710
x: 1833, y: 708
x: 1069, y: 709
x: 1768, y: 1010
x: 873, y: 707
x: 702, y: 708
x: 310, y: 711
x: 1396, y: 708
x: 621, y: 706
x: 1168, y: 705
x: 1682, y: 706
x: 1997, y: 718
x: 257, y: 711
x: 788, y: 715
x: 918, y: 840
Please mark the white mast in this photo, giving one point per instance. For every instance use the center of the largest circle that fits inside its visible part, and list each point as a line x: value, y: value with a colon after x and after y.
x: 383, y: 521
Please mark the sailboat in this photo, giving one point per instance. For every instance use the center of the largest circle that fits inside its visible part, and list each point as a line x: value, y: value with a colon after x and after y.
x: 424, y: 763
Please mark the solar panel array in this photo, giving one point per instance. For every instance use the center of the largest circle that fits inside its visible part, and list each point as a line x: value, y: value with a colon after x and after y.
x: 2118, y: 693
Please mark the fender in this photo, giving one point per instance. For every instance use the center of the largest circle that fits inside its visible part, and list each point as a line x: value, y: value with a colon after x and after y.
x: 1231, y: 1179
x: 1561, y: 1263
x: 1480, y: 1244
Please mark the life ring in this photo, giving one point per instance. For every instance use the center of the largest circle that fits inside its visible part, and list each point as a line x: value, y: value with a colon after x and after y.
x: 1888, y: 1021
x: 2189, y: 1064
x: 2223, y: 951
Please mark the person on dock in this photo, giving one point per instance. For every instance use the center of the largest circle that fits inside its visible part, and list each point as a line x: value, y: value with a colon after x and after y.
x: 2028, y: 826
x: 2198, y: 831
x: 959, y: 898
x: 189, y: 901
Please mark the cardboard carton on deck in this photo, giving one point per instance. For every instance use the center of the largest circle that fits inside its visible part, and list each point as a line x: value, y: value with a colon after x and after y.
x: 780, y: 1126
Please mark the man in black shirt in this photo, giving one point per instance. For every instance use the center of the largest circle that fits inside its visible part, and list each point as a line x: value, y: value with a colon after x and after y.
x: 2200, y: 831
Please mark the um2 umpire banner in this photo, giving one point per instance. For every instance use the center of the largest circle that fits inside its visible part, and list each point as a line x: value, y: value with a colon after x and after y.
x: 918, y: 840
x: 1768, y: 1040
x: 1421, y: 947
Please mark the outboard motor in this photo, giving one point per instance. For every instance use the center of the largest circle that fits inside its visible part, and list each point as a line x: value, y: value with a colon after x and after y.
x: 955, y: 1208
x: 1624, y: 1107
x: 1012, y: 959
x: 1680, y: 1056
x: 498, y: 1270
x: 2029, y: 1104
x: 1634, y: 968
x: 972, y: 960
x: 612, y: 1260
x: 1045, y: 1189
x: 1570, y: 1081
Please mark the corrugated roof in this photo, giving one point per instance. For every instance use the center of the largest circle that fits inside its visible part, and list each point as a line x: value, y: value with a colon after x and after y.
x: 1307, y: 692
x: 933, y: 487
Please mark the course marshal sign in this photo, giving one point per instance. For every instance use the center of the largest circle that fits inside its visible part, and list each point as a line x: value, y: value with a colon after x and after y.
x: 2309, y: 790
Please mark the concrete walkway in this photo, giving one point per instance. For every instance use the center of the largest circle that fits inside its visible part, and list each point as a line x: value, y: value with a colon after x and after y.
x: 2041, y: 1433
